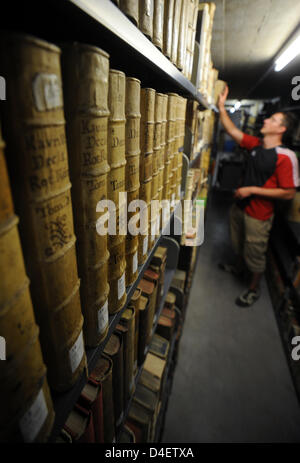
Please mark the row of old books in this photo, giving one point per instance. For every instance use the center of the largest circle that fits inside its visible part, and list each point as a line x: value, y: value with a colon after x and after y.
x: 112, y: 142
x: 101, y: 411
x: 204, y: 75
x: 169, y: 24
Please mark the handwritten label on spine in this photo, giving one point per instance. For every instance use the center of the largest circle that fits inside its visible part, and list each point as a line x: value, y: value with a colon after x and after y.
x: 76, y: 353
x: 121, y: 286
x: 103, y: 317
x: 33, y: 420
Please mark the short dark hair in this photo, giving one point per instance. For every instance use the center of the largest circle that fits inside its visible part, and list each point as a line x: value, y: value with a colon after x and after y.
x: 290, y: 121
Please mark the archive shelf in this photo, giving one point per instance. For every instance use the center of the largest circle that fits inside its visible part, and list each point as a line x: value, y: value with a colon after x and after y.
x: 64, y: 403
x: 173, y: 248
x: 101, y: 23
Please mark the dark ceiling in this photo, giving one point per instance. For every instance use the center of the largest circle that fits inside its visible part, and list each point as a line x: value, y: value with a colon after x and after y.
x: 247, y: 35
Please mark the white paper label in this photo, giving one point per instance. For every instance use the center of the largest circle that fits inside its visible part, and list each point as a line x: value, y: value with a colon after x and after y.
x: 47, y: 93
x: 121, y: 286
x: 145, y: 245
x: 135, y: 262
x: 34, y: 418
x: 103, y: 317
x: 76, y: 353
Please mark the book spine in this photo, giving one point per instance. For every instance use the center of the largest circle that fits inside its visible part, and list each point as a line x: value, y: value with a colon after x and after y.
x: 118, y: 380
x: 193, y: 36
x: 158, y: 23
x: 164, y: 154
x: 182, y: 37
x: 168, y: 27
x: 171, y: 146
x: 156, y: 165
x: 146, y: 163
x: 116, y: 185
x: 132, y: 144
x: 17, y: 322
x: 128, y: 320
x: 37, y: 140
x: 146, y: 17
x: 175, y: 35
x: 131, y: 9
x: 85, y: 74
x: 189, y: 18
x: 105, y: 378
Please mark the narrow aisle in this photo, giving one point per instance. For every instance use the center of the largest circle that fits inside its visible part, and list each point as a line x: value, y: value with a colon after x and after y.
x: 232, y: 382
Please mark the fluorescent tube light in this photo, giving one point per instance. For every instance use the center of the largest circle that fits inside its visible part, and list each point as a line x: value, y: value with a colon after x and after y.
x: 288, y: 55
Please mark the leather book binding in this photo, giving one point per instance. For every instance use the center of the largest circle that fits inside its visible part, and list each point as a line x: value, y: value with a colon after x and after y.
x: 85, y: 74
x: 102, y: 373
x: 17, y: 323
x: 114, y: 349
x: 36, y: 137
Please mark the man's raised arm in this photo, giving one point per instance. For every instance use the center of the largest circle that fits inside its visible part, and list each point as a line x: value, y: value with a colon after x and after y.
x: 228, y: 125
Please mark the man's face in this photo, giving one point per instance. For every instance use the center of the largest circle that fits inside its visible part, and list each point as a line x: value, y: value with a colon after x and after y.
x: 273, y: 125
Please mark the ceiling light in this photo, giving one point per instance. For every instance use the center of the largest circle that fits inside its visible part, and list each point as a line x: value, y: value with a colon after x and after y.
x: 288, y: 55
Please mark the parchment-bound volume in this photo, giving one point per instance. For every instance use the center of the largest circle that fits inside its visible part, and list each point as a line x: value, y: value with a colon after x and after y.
x: 141, y: 417
x: 157, y: 179
x: 128, y: 320
x: 114, y: 349
x: 146, y: 17
x: 85, y: 73
x: 171, y: 128
x: 147, y: 132
x: 143, y: 328
x: 149, y: 290
x: 80, y: 426
x: 158, y: 23
x: 146, y: 163
x: 23, y: 383
x: 192, y: 24
x: 116, y: 185
x: 136, y: 303
x: 35, y: 128
x: 131, y: 9
x: 165, y: 148
x: 91, y: 398
x: 103, y: 373
x: 168, y: 28
x: 175, y: 35
x: 132, y: 175
x: 182, y: 37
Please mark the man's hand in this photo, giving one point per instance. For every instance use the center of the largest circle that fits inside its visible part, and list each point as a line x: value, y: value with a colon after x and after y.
x: 223, y: 97
x: 243, y: 192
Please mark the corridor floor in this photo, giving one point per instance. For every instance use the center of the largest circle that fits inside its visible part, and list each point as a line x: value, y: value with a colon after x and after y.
x: 232, y: 382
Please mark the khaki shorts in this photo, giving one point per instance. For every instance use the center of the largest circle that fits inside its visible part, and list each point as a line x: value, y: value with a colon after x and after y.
x: 250, y: 238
